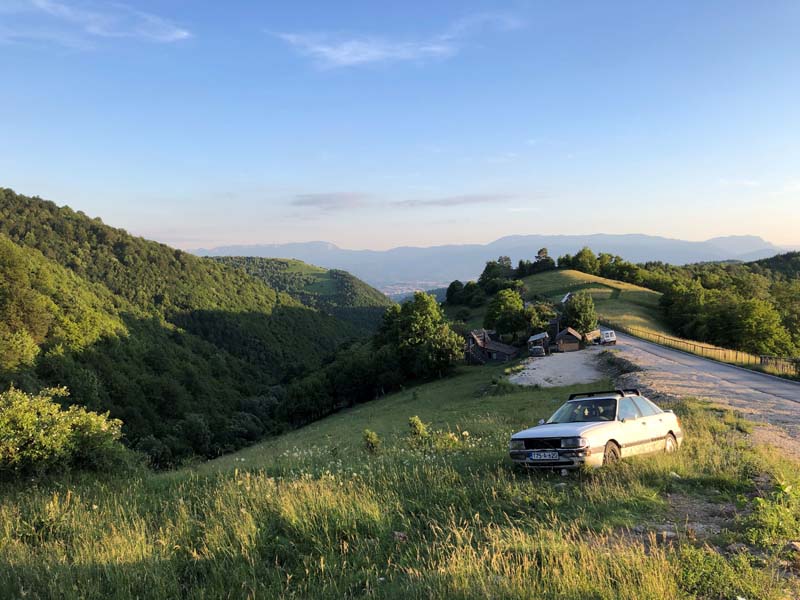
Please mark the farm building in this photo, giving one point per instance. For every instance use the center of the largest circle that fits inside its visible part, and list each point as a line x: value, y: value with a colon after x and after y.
x: 568, y: 340
x: 593, y: 336
x: 483, y: 347
x: 539, y: 339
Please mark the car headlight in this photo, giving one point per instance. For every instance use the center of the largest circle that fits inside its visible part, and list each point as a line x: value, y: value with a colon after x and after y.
x: 576, y: 442
x: 516, y: 445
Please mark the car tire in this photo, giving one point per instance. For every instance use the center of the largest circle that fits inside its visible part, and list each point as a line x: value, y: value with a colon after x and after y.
x: 611, y: 454
x: 670, y: 444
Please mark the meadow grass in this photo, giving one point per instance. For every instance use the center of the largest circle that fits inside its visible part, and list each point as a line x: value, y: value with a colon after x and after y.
x: 437, y: 512
x: 623, y: 303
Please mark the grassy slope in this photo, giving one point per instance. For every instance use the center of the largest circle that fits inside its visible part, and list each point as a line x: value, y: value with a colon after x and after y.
x: 623, y: 303
x: 333, y: 291
x: 313, y: 515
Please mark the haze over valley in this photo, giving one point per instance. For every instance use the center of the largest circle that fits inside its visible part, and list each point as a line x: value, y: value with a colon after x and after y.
x: 410, y: 268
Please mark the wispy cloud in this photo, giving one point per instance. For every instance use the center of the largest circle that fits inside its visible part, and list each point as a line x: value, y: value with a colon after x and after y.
x: 356, y: 51
x: 337, y: 50
x: 463, y: 200
x: 78, y: 23
x: 333, y: 201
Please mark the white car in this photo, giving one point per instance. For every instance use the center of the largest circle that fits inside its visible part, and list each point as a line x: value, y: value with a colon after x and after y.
x: 597, y: 428
x: 608, y: 338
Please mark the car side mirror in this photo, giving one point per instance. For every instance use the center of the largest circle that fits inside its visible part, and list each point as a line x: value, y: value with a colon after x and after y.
x: 541, y: 421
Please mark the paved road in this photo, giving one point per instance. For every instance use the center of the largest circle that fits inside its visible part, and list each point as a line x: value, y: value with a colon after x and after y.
x: 668, y: 371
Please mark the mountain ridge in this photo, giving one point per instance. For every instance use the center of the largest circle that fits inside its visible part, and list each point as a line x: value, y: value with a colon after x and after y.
x: 389, y: 270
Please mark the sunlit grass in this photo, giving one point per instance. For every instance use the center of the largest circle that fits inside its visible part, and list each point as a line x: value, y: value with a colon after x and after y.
x: 312, y: 515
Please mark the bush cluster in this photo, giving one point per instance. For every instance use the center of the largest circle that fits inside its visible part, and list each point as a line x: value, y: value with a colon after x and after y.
x: 38, y: 436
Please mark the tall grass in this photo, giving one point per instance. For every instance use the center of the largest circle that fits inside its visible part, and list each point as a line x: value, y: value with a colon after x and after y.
x: 442, y: 516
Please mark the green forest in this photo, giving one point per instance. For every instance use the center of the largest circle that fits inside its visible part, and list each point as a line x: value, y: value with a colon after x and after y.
x: 188, y: 352
x: 753, y: 307
x: 333, y: 291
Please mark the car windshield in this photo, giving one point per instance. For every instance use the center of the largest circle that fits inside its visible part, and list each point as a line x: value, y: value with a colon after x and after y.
x: 582, y: 411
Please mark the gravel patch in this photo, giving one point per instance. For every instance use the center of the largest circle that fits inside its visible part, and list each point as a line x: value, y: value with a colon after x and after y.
x: 566, y: 368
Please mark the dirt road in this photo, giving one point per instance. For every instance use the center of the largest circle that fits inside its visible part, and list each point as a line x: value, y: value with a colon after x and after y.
x: 761, y: 397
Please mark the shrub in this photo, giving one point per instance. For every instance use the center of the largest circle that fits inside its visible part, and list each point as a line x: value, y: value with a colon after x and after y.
x: 417, y: 429
x: 37, y: 435
x: 372, y: 443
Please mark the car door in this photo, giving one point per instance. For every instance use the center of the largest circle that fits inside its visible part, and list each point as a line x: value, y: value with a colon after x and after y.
x: 634, y: 428
x: 657, y: 422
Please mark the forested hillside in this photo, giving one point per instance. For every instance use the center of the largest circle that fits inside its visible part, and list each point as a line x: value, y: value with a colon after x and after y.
x: 783, y: 265
x: 754, y: 307
x: 334, y: 292
x: 168, y: 342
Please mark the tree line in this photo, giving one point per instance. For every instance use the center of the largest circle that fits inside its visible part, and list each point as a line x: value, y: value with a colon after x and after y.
x: 753, y: 307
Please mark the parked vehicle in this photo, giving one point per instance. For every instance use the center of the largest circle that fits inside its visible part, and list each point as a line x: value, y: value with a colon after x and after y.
x: 537, y: 351
x: 608, y: 338
x: 597, y: 428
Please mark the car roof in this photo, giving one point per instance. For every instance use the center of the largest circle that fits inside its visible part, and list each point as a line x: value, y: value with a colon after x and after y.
x: 605, y: 394
x: 611, y: 397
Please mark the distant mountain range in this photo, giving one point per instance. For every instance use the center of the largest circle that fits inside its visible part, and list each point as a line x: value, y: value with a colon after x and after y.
x: 405, y: 268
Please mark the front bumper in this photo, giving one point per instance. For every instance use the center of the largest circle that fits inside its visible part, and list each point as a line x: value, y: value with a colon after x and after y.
x: 567, y: 458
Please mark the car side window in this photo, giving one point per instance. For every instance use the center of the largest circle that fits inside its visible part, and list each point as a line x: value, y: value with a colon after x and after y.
x: 628, y: 410
x: 646, y: 408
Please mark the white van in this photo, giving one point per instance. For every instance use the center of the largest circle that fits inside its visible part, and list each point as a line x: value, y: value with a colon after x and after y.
x: 608, y: 338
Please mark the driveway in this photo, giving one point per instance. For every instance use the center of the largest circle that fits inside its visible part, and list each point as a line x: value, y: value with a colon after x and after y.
x: 560, y: 369
x: 760, y: 397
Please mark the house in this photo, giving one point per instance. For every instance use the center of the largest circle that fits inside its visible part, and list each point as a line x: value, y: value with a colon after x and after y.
x: 539, y: 339
x: 483, y: 347
x: 593, y: 337
x: 568, y: 340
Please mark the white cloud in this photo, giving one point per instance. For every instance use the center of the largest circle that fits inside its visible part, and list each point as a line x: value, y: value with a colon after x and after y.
x: 75, y: 24
x: 332, y: 50
x: 356, y: 51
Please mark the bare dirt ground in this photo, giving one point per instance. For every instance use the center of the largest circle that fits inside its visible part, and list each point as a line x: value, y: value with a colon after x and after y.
x: 556, y: 370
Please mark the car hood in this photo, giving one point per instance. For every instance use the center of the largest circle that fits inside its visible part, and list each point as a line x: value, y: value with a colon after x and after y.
x: 555, y: 430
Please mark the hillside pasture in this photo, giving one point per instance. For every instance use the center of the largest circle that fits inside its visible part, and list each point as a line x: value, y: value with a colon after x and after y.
x: 312, y: 514
x: 615, y: 301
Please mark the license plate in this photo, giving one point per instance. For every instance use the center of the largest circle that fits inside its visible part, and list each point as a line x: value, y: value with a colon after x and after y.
x: 542, y: 455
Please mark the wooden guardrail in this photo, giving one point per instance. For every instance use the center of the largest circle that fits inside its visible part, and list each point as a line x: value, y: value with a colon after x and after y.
x: 775, y: 365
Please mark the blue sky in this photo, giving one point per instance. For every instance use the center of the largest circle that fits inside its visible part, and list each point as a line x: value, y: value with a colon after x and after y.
x: 373, y: 124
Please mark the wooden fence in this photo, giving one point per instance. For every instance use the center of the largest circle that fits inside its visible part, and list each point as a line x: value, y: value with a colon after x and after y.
x: 771, y: 364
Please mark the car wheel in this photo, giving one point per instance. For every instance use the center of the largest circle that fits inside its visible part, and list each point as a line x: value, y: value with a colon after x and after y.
x: 670, y: 444
x: 611, y: 454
